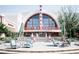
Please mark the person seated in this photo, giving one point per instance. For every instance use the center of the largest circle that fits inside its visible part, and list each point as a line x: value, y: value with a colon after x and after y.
x: 68, y: 42
x: 65, y: 42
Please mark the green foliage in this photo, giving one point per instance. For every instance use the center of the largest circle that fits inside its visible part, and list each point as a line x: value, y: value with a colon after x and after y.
x: 9, y: 35
x: 3, y: 28
x: 70, y: 17
x: 8, y: 39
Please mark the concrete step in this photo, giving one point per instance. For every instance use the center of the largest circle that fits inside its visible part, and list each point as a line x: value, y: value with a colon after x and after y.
x: 7, y: 52
x: 34, y: 50
x: 28, y: 50
x: 68, y: 52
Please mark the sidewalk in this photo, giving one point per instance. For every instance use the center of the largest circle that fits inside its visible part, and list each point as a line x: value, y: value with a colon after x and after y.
x: 42, y: 50
x: 40, y: 47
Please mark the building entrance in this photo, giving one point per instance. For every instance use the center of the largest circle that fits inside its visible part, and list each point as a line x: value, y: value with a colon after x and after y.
x: 36, y: 34
x: 41, y: 26
x: 41, y: 36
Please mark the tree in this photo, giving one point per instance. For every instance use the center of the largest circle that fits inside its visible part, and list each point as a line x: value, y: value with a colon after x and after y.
x: 69, y: 17
x: 3, y: 29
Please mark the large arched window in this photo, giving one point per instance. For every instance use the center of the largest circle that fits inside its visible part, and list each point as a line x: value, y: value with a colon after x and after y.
x: 33, y: 22
x: 47, y: 21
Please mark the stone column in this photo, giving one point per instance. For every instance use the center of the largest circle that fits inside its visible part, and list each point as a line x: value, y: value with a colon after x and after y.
x: 40, y: 17
x: 40, y: 20
x: 45, y: 34
x: 32, y: 35
x: 37, y: 35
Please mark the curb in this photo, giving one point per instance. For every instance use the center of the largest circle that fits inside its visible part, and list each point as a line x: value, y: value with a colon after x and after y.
x: 50, y: 51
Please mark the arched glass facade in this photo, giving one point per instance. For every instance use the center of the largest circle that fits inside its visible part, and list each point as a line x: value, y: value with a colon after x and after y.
x: 34, y: 23
x: 47, y: 21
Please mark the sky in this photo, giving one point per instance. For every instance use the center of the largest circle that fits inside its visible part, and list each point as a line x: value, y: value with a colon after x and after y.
x: 27, y: 8
x: 5, y: 9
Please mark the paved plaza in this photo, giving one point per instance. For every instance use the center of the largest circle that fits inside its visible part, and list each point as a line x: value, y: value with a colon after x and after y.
x: 42, y: 47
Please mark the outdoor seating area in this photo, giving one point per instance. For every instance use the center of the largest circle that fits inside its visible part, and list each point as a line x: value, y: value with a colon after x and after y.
x: 28, y: 43
x: 13, y: 44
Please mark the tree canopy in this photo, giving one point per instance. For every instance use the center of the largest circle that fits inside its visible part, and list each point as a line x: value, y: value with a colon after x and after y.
x: 69, y: 16
x: 4, y: 29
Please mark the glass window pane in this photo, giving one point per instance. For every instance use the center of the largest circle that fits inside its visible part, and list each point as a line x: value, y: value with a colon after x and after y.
x: 47, y: 21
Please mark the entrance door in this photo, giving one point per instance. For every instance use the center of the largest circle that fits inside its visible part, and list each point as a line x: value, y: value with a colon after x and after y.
x: 41, y: 34
x: 41, y: 37
x: 38, y: 36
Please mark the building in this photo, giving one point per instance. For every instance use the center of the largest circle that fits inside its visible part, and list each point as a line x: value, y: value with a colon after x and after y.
x: 7, y: 22
x: 37, y: 23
